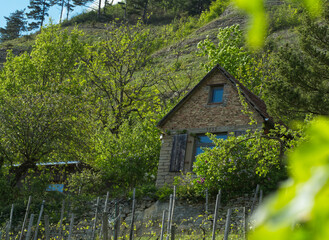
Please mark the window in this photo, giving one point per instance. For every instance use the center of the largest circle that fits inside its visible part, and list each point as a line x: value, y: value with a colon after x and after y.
x: 216, y: 94
x: 204, y: 141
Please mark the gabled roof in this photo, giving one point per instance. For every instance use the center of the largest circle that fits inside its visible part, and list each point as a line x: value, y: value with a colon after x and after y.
x: 257, y: 103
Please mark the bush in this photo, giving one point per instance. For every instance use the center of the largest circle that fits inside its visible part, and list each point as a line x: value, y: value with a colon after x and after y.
x: 189, y: 188
x: 164, y: 192
x: 238, y: 164
x: 284, y: 16
x: 6, y: 191
x: 130, y: 158
x: 88, y: 182
x: 146, y: 190
x: 215, y: 10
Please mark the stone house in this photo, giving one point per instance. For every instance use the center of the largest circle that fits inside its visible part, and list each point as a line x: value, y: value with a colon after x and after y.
x: 212, y: 106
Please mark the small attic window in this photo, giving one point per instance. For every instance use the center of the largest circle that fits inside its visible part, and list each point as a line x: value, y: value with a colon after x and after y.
x: 216, y: 94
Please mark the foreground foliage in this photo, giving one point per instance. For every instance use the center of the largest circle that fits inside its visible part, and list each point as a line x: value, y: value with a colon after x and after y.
x: 299, y: 210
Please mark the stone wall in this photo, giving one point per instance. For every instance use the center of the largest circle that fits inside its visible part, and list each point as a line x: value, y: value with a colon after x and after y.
x: 189, y: 217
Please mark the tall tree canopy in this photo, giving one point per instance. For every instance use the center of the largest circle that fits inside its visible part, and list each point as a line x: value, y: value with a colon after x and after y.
x: 41, y: 103
x: 118, y: 74
x: 138, y: 7
x: 232, y: 54
x: 15, y: 24
x: 301, y: 86
x: 38, y: 12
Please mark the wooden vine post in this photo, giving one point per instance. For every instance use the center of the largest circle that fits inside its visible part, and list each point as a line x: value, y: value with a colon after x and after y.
x: 47, y: 230
x: 260, y: 196
x: 254, y: 199
x: 105, y: 229
x: 116, y: 222
x: 10, y: 222
x: 162, y: 224
x: 39, y: 220
x: 25, y: 217
x: 71, y: 227
x: 29, y: 229
x: 245, y: 223
x: 61, y: 221
x: 131, y: 236
x: 169, y: 216
x: 95, y: 220
x: 227, y: 224
x: 218, y: 198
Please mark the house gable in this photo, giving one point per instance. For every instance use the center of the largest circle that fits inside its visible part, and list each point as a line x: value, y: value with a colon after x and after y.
x: 195, y: 116
x: 195, y: 111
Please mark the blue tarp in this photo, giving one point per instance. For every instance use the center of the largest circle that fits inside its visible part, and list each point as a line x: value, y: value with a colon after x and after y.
x: 55, y: 187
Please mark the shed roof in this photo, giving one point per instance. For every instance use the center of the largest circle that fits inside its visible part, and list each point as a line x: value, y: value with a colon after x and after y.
x: 257, y: 103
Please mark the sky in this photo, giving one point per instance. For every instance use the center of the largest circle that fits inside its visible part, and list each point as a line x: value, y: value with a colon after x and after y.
x: 10, y: 6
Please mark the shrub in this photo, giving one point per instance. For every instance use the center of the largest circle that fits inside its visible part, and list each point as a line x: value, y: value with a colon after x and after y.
x: 189, y: 188
x: 215, y: 10
x: 6, y: 191
x: 87, y: 182
x: 237, y: 164
x: 284, y: 16
x: 130, y: 158
x: 146, y: 190
x: 164, y: 192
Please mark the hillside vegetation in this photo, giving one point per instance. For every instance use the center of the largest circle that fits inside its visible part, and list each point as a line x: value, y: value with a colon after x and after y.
x: 93, y: 93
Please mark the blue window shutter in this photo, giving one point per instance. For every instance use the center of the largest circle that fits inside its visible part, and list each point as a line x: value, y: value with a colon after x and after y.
x: 178, y: 153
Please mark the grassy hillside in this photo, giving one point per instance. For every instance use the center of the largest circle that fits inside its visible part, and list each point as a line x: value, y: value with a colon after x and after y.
x: 182, y: 33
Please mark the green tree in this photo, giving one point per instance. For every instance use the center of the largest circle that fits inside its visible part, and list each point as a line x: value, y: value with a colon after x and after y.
x: 232, y: 55
x: 41, y: 103
x: 130, y: 157
x: 300, y: 83
x: 69, y: 5
x: 15, y: 24
x: 124, y: 104
x: 38, y: 12
x: 138, y: 7
x: 119, y: 76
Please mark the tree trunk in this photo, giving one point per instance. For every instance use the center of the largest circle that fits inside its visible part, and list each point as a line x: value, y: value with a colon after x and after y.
x: 125, y: 16
x: 99, y: 8
x: 145, y: 11
x: 43, y: 13
x: 68, y: 10
x: 104, y: 9
x: 62, y: 9
x: 21, y: 170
